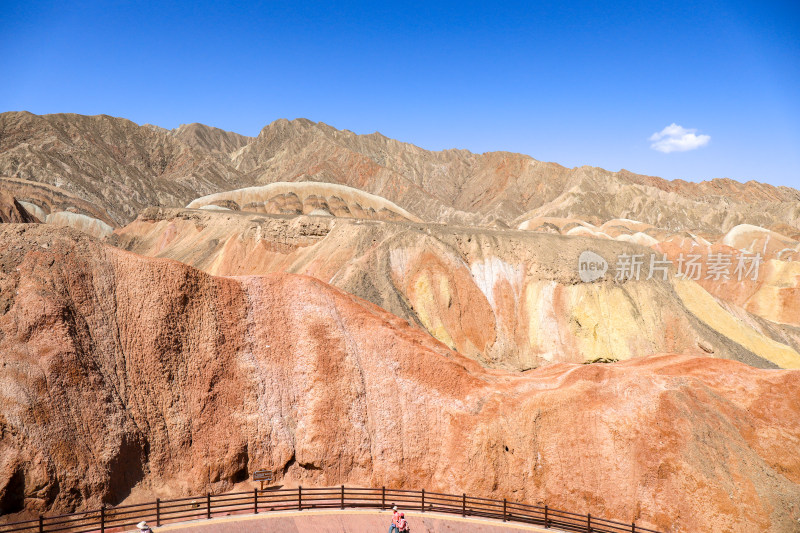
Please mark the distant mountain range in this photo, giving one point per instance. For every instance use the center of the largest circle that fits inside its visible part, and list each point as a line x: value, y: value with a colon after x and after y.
x: 122, y: 168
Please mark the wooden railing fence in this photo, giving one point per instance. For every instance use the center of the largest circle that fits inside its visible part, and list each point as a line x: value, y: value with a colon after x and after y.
x: 160, y: 512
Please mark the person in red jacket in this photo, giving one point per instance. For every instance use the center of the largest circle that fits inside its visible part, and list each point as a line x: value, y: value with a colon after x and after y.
x: 402, y: 525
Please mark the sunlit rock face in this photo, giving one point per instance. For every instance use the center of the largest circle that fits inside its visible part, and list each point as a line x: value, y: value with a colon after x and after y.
x: 752, y: 272
x: 52, y: 205
x: 123, y: 168
x: 111, y: 163
x: 13, y: 211
x: 762, y: 276
x: 92, y: 226
x: 506, y: 299
x: 306, y: 198
x: 209, y: 139
x: 353, y: 309
x: 198, y: 380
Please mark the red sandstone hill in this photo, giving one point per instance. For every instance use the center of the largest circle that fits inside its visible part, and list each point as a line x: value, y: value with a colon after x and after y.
x: 508, y: 299
x: 120, y: 371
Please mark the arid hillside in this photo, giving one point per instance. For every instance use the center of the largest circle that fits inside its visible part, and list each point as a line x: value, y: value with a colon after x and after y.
x: 122, y: 168
x: 12, y: 211
x: 112, y: 163
x: 508, y: 299
x: 53, y: 205
x: 121, y: 371
x: 306, y: 198
x: 181, y: 307
x: 209, y: 139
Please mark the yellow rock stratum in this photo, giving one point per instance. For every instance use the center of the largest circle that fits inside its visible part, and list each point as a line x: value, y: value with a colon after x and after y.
x: 510, y: 299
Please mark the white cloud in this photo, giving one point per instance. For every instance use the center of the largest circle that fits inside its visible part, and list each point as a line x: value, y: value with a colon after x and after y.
x: 676, y: 138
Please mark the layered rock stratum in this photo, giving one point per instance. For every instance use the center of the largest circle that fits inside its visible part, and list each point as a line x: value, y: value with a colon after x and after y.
x: 306, y: 198
x: 181, y: 307
x: 123, y: 168
x: 12, y: 211
x: 53, y: 205
x: 112, y: 163
x: 510, y: 299
x: 130, y: 371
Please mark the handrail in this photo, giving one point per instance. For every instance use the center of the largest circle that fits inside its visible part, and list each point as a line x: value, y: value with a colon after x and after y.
x: 176, y: 510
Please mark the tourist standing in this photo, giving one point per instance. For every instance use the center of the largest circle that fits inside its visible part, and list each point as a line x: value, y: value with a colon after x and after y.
x: 402, y: 525
x: 394, y: 528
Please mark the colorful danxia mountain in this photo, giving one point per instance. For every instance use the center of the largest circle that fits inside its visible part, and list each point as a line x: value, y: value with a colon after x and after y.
x: 179, y: 308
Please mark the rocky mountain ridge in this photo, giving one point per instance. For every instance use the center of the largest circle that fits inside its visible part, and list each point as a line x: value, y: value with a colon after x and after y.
x: 123, y: 168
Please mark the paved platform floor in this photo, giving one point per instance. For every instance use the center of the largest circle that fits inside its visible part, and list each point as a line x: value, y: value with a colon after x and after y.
x: 349, y: 521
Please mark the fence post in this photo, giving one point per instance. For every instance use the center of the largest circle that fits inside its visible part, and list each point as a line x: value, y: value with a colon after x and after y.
x: 422, y: 504
x: 255, y: 501
x: 103, y: 518
x: 41, y: 524
x: 383, y: 498
x: 299, y: 498
x: 208, y: 505
x: 342, y: 497
x: 504, y: 509
x: 546, y: 522
x: 633, y: 527
x: 158, y: 512
x: 463, y: 505
x: 589, y: 523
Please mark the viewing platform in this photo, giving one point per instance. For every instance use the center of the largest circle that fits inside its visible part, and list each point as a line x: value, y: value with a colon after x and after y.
x: 334, y: 509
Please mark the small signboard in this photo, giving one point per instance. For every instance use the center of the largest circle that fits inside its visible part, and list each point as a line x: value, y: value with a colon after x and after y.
x: 262, y: 476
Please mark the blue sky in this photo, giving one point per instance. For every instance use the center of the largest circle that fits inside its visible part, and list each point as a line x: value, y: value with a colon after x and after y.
x: 580, y: 83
